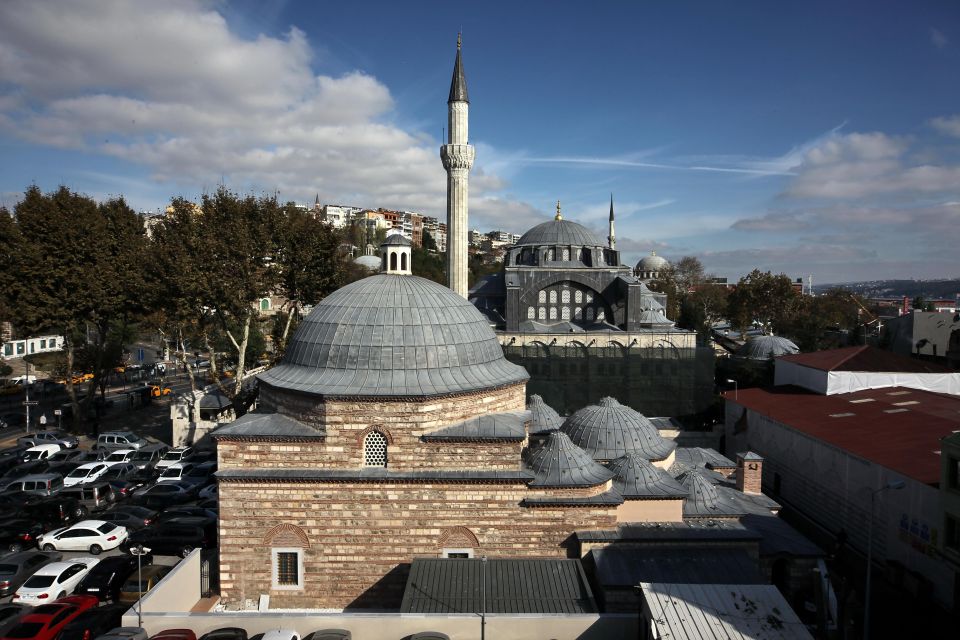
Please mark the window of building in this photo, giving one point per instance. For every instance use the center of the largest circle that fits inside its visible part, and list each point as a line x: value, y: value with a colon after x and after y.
x: 265, y: 304
x: 553, y: 313
x: 542, y: 297
x: 457, y: 553
x: 287, y: 568
x: 600, y: 315
x: 565, y: 296
x: 952, y: 538
x: 531, y: 313
x: 33, y: 347
x: 542, y: 313
x: 565, y: 313
x: 953, y: 473
x: 578, y: 313
x: 393, y: 262
x: 589, y: 313
x: 8, y: 349
x: 20, y: 348
x: 578, y: 296
x: 375, y: 450
x: 43, y: 344
x: 566, y: 255
x: 553, y: 297
x: 403, y: 262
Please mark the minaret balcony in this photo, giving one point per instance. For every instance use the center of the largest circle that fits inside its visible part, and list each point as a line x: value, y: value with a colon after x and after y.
x: 457, y: 156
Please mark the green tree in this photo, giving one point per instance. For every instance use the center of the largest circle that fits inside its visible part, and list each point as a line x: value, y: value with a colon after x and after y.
x: 765, y: 298
x: 703, y: 307
x: 429, y: 244
x: 431, y: 266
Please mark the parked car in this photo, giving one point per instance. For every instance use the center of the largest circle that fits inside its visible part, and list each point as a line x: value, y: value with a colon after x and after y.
x: 149, y: 455
x: 92, y: 535
x: 185, y: 511
x: 201, y: 456
x: 125, y: 633
x: 54, y: 581
x: 201, y: 474
x: 139, y: 583
x: 96, y: 496
x: 68, y: 455
x: 40, y: 484
x: 56, y: 510
x: 40, y: 452
x: 128, y: 520
x: 119, y: 471
x: 46, y: 621
x: 120, y: 455
x: 209, y: 492
x: 176, y: 537
x: 119, y: 440
x: 164, y: 495
x: 18, y: 534
x: 17, y: 567
x: 177, y: 454
x: 66, y: 460
x: 85, y: 473
x: 105, y: 580
x: 21, y: 469
x: 175, y: 634
x: 281, y: 634
x: 64, y: 440
x: 140, y: 517
x: 10, y: 614
x: 176, y: 472
x: 226, y: 633
x: 157, y: 391
x: 93, y: 622
x: 123, y: 489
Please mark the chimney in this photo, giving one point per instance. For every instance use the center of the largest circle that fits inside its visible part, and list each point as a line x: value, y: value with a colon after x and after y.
x: 749, y: 472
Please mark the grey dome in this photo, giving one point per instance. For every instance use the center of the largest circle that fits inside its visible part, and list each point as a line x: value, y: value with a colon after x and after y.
x: 368, y: 262
x: 560, y: 232
x: 702, y: 496
x: 545, y: 419
x: 766, y: 348
x: 560, y: 463
x: 397, y: 239
x: 609, y: 430
x: 652, y: 262
x: 636, y: 477
x: 393, y: 335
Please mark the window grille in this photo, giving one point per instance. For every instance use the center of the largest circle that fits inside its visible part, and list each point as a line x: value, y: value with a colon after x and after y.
x: 578, y: 296
x: 553, y: 297
x: 565, y: 313
x: 375, y: 450
x: 542, y: 313
x: 542, y: 297
x: 565, y: 296
x: 553, y: 313
x: 287, y: 568
x: 531, y: 313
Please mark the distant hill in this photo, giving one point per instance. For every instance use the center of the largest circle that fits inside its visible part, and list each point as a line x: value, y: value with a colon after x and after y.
x: 930, y: 289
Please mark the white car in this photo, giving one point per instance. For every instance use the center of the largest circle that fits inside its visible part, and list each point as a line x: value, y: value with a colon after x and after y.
x: 85, y: 473
x: 53, y: 581
x: 87, y: 535
x: 281, y: 634
x: 120, y: 455
x: 173, y: 456
x: 40, y: 452
x: 175, y: 472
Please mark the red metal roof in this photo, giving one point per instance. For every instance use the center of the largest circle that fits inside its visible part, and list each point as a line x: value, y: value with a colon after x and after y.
x: 895, y: 427
x: 863, y: 358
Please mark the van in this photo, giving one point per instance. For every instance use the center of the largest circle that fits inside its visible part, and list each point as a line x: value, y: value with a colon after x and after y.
x: 96, y: 496
x: 119, y: 440
x: 40, y: 452
x: 148, y: 456
x: 41, y: 484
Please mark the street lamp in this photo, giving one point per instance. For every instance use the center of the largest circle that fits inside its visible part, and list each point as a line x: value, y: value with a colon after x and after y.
x: 894, y: 485
x: 139, y: 551
x: 735, y: 389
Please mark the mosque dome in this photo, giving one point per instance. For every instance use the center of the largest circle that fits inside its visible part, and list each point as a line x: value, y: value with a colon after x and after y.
x: 544, y: 418
x: 652, y: 263
x: 393, y: 335
x: 560, y: 232
x: 609, y: 430
x: 558, y: 462
x: 766, y: 348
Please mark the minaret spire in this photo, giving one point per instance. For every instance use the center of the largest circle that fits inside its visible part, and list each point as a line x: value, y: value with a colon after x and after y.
x: 457, y: 156
x: 612, y: 238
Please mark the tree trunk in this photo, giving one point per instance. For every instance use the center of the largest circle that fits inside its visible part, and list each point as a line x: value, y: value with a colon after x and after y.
x: 286, y: 331
x: 241, y: 354
x: 71, y: 390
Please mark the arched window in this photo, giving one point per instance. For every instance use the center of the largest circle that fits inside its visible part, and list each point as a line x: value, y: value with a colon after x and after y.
x: 589, y: 313
x: 551, y: 255
x: 565, y: 313
x: 542, y: 296
x: 553, y: 313
x: 566, y: 254
x: 578, y: 296
x: 578, y: 313
x: 393, y: 261
x: 403, y: 262
x: 542, y: 313
x: 565, y: 296
x: 264, y: 304
x: 531, y: 313
x: 553, y: 297
x: 383, y: 266
x: 375, y: 450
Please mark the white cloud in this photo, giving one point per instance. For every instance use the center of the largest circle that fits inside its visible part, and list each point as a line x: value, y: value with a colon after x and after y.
x: 171, y: 87
x: 949, y: 125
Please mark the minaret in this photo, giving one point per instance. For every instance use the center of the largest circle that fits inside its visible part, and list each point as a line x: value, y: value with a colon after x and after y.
x: 457, y: 156
x: 612, y: 238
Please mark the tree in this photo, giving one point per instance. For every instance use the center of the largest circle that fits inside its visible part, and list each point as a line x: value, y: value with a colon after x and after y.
x: 762, y: 297
x: 79, y: 271
x: 688, y: 274
x: 703, y: 307
x: 429, y: 244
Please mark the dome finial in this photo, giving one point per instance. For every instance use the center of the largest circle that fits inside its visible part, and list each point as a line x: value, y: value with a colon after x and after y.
x: 558, y: 216
x: 459, y: 34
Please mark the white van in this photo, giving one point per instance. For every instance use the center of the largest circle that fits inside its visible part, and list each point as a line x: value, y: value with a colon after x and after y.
x: 40, y: 452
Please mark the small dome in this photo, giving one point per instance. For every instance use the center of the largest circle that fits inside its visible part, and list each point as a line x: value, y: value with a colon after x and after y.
x: 368, y: 262
x: 652, y: 262
x: 560, y: 463
x: 609, y: 430
x: 636, y: 477
x: 394, y: 336
x: 560, y: 232
x: 397, y: 239
x: 766, y: 348
x: 702, y: 496
x: 545, y: 419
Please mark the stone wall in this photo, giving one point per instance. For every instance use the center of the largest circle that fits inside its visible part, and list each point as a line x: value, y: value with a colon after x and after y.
x: 358, y: 538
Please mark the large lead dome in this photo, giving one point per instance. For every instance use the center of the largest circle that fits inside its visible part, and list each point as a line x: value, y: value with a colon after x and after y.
x: 393, y: 335
x: 560, y: 232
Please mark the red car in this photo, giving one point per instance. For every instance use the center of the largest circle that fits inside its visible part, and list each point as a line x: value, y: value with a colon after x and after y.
x: 46, y: 621
x: 175, y: 634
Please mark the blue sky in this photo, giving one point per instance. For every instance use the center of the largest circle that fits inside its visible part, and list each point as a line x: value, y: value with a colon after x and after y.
x: 816, y: 138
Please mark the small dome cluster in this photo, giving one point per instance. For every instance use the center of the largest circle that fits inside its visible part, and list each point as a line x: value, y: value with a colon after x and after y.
x: 766, y: 348
x: 608, y: 430
x: 544, y: 418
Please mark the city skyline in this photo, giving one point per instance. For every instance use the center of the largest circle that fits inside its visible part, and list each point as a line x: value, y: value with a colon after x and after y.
x: 820, y: 140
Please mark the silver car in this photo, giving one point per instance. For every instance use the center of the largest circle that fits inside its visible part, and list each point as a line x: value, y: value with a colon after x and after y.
x: 17, y: 567
x: 65, y: 440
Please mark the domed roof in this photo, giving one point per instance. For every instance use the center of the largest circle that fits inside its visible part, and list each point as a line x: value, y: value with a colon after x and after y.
x: 368, y: 262
x: 609, y: 430
x: 397, y: 239
x: 545, y: 419
x: 766, y: 348
x: 702, y: 496
x: 393, y: 335
x: 652, y: 262
x: 560, y: 463
x: 562, y: 232
x: 636, y: 477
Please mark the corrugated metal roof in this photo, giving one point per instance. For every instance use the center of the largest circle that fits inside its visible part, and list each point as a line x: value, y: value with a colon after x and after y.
x: 492, y: 426
x: 560, y: 463
x: 721, y: 612
x: 617, y: 566
x: 455, y: 585
x: 862, y: 423
x: 863, y: 358
x: 268, y: 426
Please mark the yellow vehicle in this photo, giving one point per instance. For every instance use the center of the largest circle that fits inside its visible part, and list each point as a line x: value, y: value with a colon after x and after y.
x: 156, y: 391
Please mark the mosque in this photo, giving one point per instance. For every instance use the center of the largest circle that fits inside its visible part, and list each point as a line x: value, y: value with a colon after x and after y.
x: 394, y: 429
